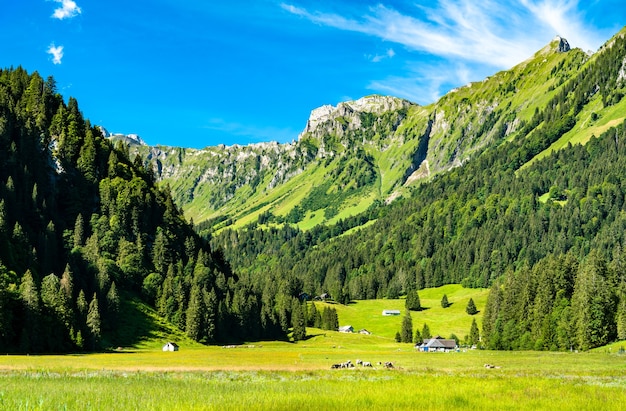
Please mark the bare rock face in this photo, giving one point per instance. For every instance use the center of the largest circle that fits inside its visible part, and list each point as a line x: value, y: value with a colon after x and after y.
x: 563, y: 46
x: 347, y: 114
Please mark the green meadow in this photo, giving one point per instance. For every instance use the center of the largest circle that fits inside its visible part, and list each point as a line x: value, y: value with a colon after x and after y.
x: 281, y: 375
x: 286, y: 376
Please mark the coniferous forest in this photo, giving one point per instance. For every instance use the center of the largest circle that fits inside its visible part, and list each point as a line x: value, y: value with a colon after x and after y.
x: 83, y: 229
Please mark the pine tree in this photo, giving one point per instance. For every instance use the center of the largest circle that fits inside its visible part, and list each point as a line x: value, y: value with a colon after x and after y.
x: 418, y: 337
x: 94, y: 324
x: 471, y: 307
x: 474, y: 335
x: 195, y: 311
x: 412, y: 302
x: 444, y: 301
x: 297, y: 321
x: 312, y: 315
x: 621, y: 318
x: 426, y: 332
x: 407, y: 328
x: 29, y: 295
x: 79, y: 231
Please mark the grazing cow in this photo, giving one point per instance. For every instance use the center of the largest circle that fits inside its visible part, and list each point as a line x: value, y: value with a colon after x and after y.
x: 359, y: 362
x: 366, y: 364
x: 388, y: 364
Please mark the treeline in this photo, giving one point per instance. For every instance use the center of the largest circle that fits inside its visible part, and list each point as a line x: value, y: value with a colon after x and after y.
x: 559, y: 304
x: 84, y: 230
x: 475, y: 224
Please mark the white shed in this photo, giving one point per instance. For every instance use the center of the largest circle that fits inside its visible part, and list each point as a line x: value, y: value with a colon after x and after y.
x: 170, y: 346
x: 391, y: 312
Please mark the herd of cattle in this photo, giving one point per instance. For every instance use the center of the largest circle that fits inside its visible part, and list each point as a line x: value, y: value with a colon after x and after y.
x: 349, y: 364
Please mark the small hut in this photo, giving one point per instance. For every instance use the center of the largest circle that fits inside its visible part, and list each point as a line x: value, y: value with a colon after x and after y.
x: 170, y: 346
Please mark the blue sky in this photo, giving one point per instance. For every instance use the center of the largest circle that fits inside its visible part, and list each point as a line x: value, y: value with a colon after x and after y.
x: 201, y: 73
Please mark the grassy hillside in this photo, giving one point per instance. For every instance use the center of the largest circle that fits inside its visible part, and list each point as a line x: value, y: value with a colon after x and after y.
x: 344, y: 163
x: 367, y: 314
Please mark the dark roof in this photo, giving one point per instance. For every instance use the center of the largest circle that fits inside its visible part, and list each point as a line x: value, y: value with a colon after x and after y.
x: 440, y: 343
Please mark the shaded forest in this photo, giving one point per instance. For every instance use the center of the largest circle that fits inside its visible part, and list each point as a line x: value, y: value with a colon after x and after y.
x: 84, y: 228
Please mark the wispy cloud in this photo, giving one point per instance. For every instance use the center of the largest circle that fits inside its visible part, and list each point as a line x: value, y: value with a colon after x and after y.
x: 56, y: 53
x: 68, y: 9
x: 380, y: 57
x: 455, y: 41
x: 423, y: 83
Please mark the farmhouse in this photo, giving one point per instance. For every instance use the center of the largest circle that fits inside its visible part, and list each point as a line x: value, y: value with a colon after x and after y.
x: 346, y: 329
x: 170, y: 346
x: 387, y: 313
x: 437, y: 344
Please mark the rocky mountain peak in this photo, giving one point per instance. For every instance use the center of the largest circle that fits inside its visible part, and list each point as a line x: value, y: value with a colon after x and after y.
x: 375, y: 104
x: 562, y: 44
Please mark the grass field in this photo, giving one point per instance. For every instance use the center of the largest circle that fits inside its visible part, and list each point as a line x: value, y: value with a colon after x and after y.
x: 366, y: 314
x: 298, y: 376
x: 285, y: 376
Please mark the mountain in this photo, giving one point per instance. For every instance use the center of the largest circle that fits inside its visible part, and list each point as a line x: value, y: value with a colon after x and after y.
x: 524, y: 194
x: 366, y: 152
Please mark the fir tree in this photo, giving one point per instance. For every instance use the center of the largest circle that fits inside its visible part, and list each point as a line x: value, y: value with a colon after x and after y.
x: 444, y: 301
x: 426, y: 332
x: 418, y: 337
x: 412, y: 302
x: 471, y: 307
x: 407, y: 328
x: 93, y: 322
x: 297, y: 321
x: 474, y: 334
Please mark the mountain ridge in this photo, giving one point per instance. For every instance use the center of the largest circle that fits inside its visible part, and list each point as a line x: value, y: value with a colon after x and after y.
x: 371, y: 150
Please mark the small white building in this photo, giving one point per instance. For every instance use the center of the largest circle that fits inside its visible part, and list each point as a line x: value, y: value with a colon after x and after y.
x: 346, y: 329
x: 170, y: 346
x: 387, y: 313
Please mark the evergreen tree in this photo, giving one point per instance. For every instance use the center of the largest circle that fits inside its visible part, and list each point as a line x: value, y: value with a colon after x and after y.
x: 79, y: 231
x: 312, y: 316
x: 593, y: 305
x: 474, y: 334
x: 93, y: 322
x: 444, y: 301
x: 418, y: 337
x: 412, y: 302
x: 195, y: 313
x: 407, y: 328
x: 621, y: 318
x: 471, y: 307
x: 426, y: 332
x: 398, y: 337
x: 297, y: 321
x: 29, y: 296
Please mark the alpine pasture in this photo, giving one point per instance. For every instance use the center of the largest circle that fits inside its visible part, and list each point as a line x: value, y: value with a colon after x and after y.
x: 282, y: 375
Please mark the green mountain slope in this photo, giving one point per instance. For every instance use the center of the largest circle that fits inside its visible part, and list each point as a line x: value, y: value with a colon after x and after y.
x: 373, y: 150
x: 544, y: 228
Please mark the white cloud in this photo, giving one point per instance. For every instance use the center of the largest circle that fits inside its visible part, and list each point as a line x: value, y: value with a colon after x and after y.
x: 493, y: 32
x: 423, y: 83
x: 450, y: 42
x: 56, y: 53
x: 378, y: 57
x: 68, y: 9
